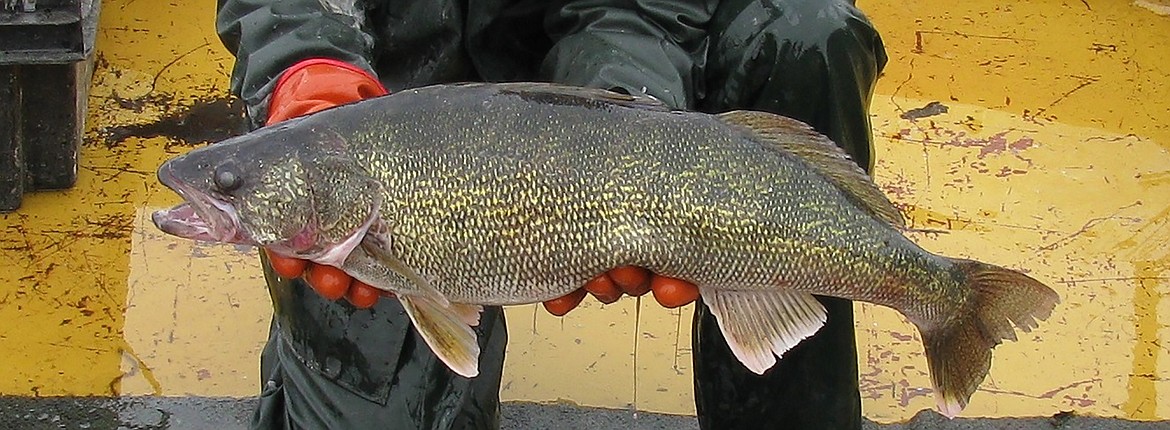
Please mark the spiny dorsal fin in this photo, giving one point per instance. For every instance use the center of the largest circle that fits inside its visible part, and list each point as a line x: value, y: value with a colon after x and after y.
x: 797, y: 138
x: 578, y: 96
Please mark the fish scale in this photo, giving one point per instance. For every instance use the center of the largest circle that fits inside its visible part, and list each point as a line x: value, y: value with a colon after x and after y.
x: 723, y: 209
x: 459, y: 196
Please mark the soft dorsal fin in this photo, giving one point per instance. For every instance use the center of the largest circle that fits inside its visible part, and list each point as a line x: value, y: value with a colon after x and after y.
x: 797, y: 138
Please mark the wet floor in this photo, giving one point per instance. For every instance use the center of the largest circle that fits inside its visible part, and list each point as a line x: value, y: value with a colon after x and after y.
x: 1030, y: 135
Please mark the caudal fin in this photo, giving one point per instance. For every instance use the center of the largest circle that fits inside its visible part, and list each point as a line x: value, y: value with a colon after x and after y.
x: 959, y: 350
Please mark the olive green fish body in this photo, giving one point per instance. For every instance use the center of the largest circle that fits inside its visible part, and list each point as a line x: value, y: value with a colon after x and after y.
x: 506, y: 200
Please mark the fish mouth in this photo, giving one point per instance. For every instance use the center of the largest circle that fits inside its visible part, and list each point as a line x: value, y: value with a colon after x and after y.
x: 201, y: 217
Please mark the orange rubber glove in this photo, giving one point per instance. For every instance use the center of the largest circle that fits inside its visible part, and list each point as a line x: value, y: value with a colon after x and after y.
x: 316, y: 84
x: 632, y: 280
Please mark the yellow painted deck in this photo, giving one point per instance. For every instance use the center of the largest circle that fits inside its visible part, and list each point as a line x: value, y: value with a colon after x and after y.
x: 1053, y: 157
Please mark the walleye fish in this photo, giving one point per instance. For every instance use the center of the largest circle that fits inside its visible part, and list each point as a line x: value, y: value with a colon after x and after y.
x: 457, y: 196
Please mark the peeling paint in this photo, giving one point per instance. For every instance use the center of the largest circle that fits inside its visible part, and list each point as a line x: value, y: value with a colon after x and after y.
x: 931, y: 109
x: 1158, y: 7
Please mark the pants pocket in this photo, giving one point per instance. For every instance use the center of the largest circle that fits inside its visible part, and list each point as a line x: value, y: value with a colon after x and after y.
x: 270, y: 410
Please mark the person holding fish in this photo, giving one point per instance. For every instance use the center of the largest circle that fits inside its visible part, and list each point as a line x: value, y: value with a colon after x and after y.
x: 342, y: 354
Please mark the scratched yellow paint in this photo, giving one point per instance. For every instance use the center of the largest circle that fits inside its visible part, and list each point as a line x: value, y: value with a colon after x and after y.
x: 1053, y: 157
x: 68, y: 308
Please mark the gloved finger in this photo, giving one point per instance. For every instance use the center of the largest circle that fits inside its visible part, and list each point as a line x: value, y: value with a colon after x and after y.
x: 603, y: 288
x: 330, y: 282
x: 562, y: 305
x: 286, y: 267
x: 361, y: 295
x: 380, y: 292
x: 672, y: 292
x: 632, y: 280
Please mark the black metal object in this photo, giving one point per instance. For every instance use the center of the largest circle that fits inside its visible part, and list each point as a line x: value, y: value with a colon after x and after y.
x: 12, y: 174
x: 46, y: 61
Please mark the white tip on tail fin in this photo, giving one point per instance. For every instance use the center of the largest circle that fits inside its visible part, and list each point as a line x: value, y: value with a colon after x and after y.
x: 948, y: 406
x: 760, y: 325
x: 447, y: 330
x: 958, y: 351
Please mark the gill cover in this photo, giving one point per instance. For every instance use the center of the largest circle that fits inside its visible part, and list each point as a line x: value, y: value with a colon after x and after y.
x: 346, y: 204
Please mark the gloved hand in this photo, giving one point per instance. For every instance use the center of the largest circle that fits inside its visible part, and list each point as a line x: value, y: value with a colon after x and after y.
x: 306, y: 87
x: 317, y: 84
x: 607, y: 287
x: 635, y: 281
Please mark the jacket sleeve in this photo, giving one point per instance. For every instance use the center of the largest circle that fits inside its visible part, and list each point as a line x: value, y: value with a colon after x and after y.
x: 267, y: 36
x: 655, y: 47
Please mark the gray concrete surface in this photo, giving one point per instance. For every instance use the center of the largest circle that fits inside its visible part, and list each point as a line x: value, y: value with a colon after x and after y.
x: 181, y: 413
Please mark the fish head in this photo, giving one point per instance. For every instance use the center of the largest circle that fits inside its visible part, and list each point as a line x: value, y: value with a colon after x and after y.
x: 288, y: 189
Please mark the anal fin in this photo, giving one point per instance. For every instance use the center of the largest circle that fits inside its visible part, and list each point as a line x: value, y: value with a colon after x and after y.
x: 760, y: 325
x: 446, y: 330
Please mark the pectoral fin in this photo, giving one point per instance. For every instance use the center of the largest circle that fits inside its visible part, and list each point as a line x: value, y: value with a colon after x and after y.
x: 374, y: 264
x: 760, y: 325
x: 445, y: 329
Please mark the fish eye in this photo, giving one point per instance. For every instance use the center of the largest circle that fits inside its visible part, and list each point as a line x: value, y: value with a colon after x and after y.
x: 227, y: 179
